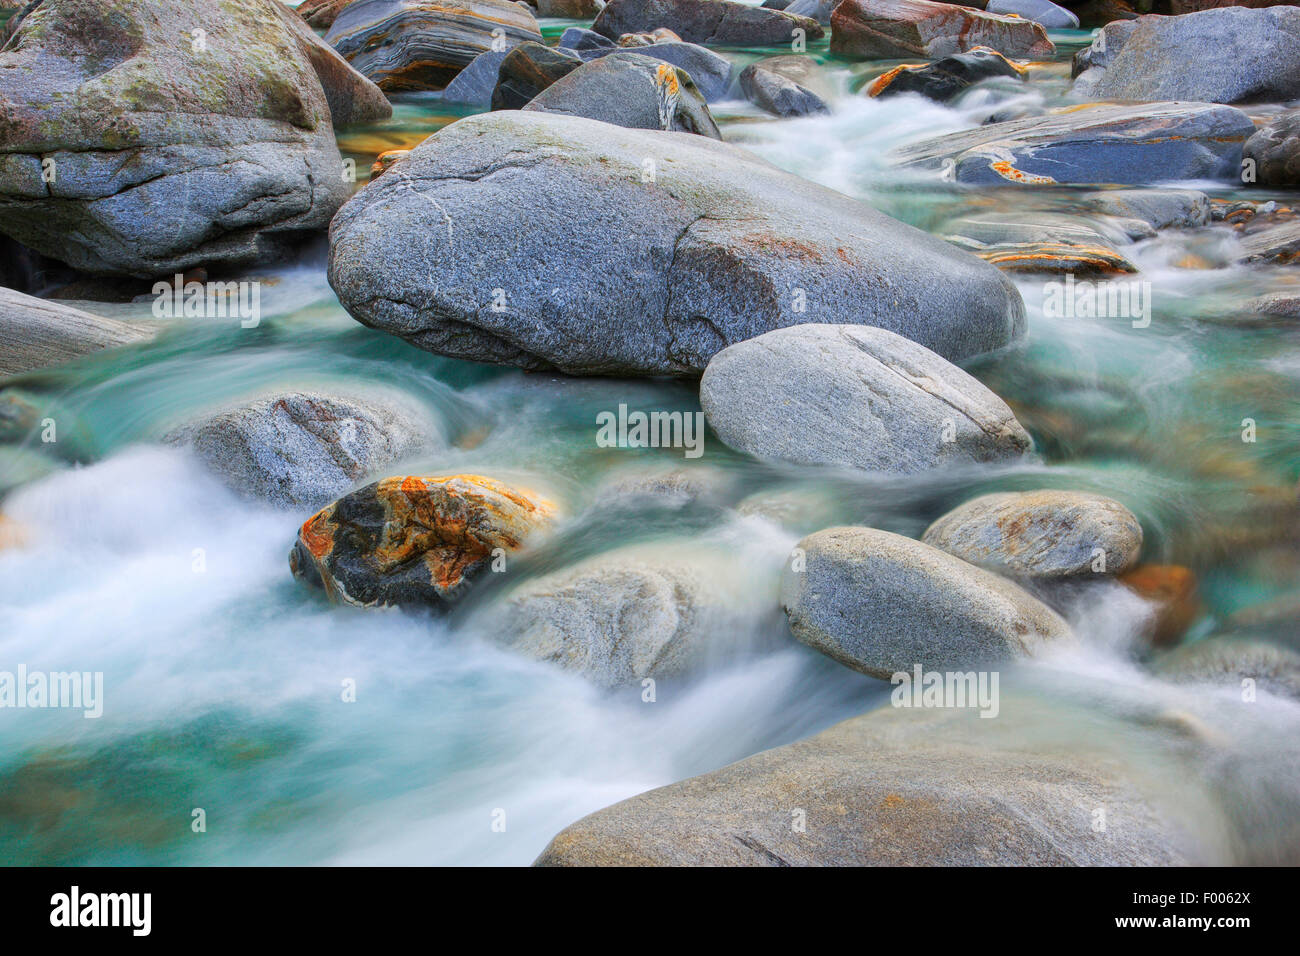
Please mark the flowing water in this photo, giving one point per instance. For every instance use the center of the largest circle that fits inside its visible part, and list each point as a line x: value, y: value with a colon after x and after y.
x: 224, y: 678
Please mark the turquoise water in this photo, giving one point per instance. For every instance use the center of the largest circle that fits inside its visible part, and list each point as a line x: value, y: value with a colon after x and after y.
x: 224, y: 678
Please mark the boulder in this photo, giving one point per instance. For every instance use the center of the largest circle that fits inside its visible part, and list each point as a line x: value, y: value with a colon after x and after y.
x: 905, y: 787
x: 1158, y: 208
x: 895, y: 29
x: 1228, y: 662
x: 881, y: 604
x: 36, y: 333
x: 527, y: 70
x: 1274, y: 152
x: 1043, y: 242
x: 801, y: 69
x: 144, y: 138
x: 819, y: 10
x: 1171, y: 589
x: 1040, y: 11
x: 474, y: 85
x: 1228, y: 55
x: 944, y: 79
x: 321, y: 14
x: 711, y: 72
x: 423, y: 44
x: 623, y: 616
x: 584, y: 41
x: 726, y: 247
x: 632, y: 90
x: 415, y: 541
x: 570, y: 9
x: 1278, y: 243
x: 304, y: 449
x: 778, y: 95
x: 708, y: 22
x: 1041, y: 534
x: 1102, y: 143
x: 880, y: 403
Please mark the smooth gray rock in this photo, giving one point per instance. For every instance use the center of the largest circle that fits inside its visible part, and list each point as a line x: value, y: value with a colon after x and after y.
x: 1040, y: 11
x: 801, y: 69
x: 36, y: 333
x: 1227, y: 661
x: 473, y: 85
x: 1274, y: 151
x: 1158, y: 208
x: 902, y: 29
x: 856, y: 396
x: 1225, y: 55
x: 582, y: 40
x: 130, y: 149
x: 423, y: 44
x: 819, y: 10
x: 1041, y: 534
x: 778, y: 95
x: 1101, y: 143
x: 710, y: 71
x: 899, y: 787
x: 1277, y: 243
x: 529, y: 69
x: 708, y: 22
x: 304, y: 449
x: 631, y: 90
x: 881, y: 603
x: 529, y: 203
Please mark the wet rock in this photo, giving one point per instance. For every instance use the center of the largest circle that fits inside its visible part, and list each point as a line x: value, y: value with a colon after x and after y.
x: 304, y: 449
x: 130, y: 151
x: 1101, y: 143
x: 473, y: 86
x: 881, y: 402
x: 423, y: 44
x: 1276, y: 243
x: 801, y: 69
x: 708, y: 22
x: 415, y: 541
x: 648, y: 38
x: 1274, y: 152
x: 1041, y: 242
x: 711, y: 72
x: 1040, y: 11
x: 1041, y: 534
x: 1172, y: 590
x: 945, y: 78
x: 819, y: 10
x: 722, y: 241
x: 571, y: 9
x: 894, y: 29
x: 584, y: 41
x: 881, y: 603
x: 36, y: 333
x: 1279, y: 304
x: 631, y: 90
x: 626, y: 615
x: 1228, y: 55
x: 321, y: 14
x: 671, y: 486
x: 777, y: 95
x: 386, y: 160
x: 527, y: 70
x: 1228, y: 662
x: 1159, y: 208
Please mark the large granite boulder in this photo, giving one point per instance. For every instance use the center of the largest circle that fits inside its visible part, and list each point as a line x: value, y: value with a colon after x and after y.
x: 633, y: 90
x: 779, y: 95
x: 710, y: 71
x: 894, y: 29
x: 1274, y: 152
x: 303, y: 449
x: 144, y: 138
x: 904, y: 787
x: 414, y: 541
x: 708, y: 22
x: 525, y: 71
x: 423, y: 44
x: 1040, y: 11
x: 499, y: 246
x: 1102, y: 143
x: 880, y: 402
x: 882, y: 604
x: 1041, y: 534
x: 36, y: 333
x: 1228, y: 55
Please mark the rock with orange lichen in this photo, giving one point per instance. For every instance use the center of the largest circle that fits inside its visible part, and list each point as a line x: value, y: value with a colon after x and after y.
x: 385, y: 160
x: 1092, y: 143
x: 1171, y: 588
x: 415, y: 542
x: 1041, y: 534
x: 893, y: 29
x: 1044, y: 242
x: 945, y: 78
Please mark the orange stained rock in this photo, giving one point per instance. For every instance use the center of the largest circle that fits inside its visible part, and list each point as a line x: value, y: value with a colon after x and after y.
x: 1173, y: 589
x: 1004, y: 169
x: 386, y: 159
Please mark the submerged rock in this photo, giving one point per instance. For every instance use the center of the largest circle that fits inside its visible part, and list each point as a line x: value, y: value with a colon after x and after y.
x: 1096, y: 143
x: 146, y: 138
x: 881, y: 604
x: 416, y: 542
x: 1229, y: 662
x: 630, y: 89
x: 856, y: 396
x: 726, y: 247
x: 1158, y: 208
x: 893, y: 29
x: 1041, y: 242
x: 708, y: 22
x: 36, y: 333
x: 1274, y: 152
x: 901, y: 787
x: 1172, y: 591
x: 423, y: 44
x: 1041, y: 534
x: 778, y: 95
x: 1278, y: 243
x: 527, y: 70
x: 1228, y: 55
x: 303, y: 449
x: 945, y: 78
